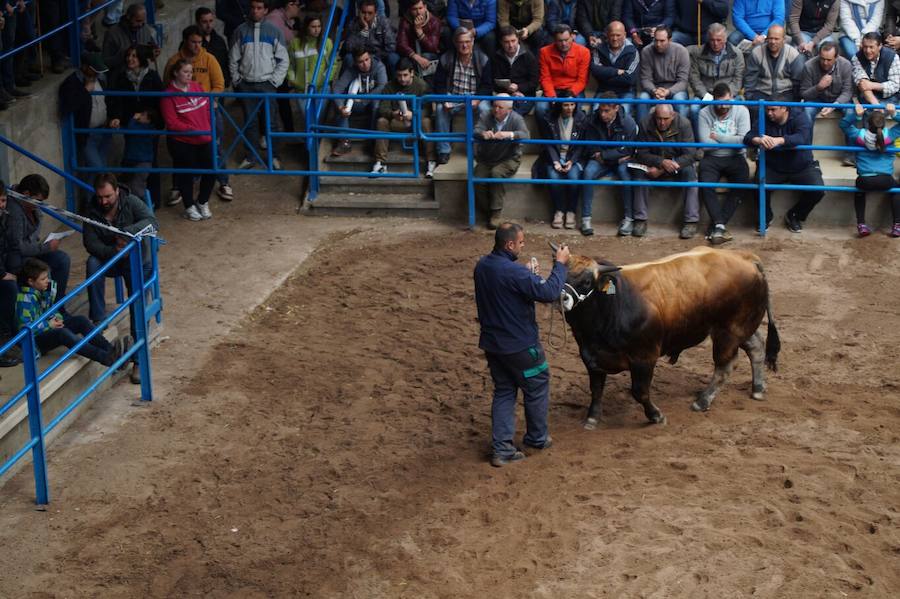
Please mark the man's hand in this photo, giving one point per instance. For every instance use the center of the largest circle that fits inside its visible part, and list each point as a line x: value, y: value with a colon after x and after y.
x: 654, y: 172
x: 449, y: 105
x: 806, y: 48
x: 866, y: 85
x: 826, y: 111
x: 114, y: 124
x: 636, y: 39
x: 9, y: 277
x: 824, y: 82
x: 593, y: 41
x: 142, y: 117
x: 759, y: 39
x: 52, y: 245
x: 859, y: 110
x: 56, y: 323
x: 557, y: 167
x: 713, y: 136
x: 514, y: 88
x: 562, y: 255
x: 345, y: 111
x: 523, y: 33
x: 661, y: 93
x: 121, y: 242
x: 670, y: 166
x: 407, y: 116
x: 620, y: 72
x: 420, y: 60
x: 893, y: 41
x: 487, y: 134
x: 890, y: 109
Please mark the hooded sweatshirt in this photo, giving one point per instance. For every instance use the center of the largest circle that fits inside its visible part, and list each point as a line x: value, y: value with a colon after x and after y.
x: 187, y: 113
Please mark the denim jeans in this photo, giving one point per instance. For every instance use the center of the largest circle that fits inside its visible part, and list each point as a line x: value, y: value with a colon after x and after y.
x: 97, y: 290
x: 252, y: 130
x: 595, y: 170
x: 443, y: 120
x: 528, y: 371
x: 848, y: 47
x: 565, y: 197
x: 97, y: 349
x: 643, y: 110
x: 686, y: 38
x: 96, y: 151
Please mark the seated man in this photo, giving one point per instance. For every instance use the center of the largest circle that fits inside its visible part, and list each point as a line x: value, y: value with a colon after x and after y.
x: 116, y: 207
x: 773, y: 70
x: 614, y: 64
x: 419, y: 37
x: 463, y: 71
x: 564, y: 65
x: 723, y: 124
x: 666, y: 163
x: 785, y: 129
x: 711, y: 11
x: 515, y: 70
x: 859, y: 17
x: 715, y: 62
x: 608, y: 123
x: 527, y: 18
x: 876, y: 72
x: 498, y: 155
x: 563, y: 12
x: 479, y: 17
x: 25, y: 229
x: 372, y: 32
x: 397, y: 115
x: 752, y: 18
x: 593, y: 17
x: 131, y: 30
x: 665, y: 69
x: 811, y: 23
x: 827, y: 78
x: 642, y: 19
x: 366, y: 76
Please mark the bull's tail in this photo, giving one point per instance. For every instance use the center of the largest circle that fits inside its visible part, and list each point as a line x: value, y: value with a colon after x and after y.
x: 773, y: 341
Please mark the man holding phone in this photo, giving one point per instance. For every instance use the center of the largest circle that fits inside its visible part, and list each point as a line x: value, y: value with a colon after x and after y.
x: 515, y: 70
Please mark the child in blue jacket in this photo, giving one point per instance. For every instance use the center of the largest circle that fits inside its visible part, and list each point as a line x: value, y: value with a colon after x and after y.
x: 37, y: 294
x: 874, y: 166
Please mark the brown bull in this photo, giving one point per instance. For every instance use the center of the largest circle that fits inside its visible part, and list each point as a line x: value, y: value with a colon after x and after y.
x: 625, y: 318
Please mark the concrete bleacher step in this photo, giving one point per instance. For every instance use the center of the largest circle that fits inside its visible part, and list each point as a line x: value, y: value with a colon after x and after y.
x: 369, y: 204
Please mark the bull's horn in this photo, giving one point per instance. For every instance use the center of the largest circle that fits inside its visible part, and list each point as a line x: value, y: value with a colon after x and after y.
x: 553, y: 246
x: 606, y: 269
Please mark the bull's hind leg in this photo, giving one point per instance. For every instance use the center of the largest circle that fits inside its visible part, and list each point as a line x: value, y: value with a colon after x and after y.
x: 598, y: 381
x: 641, y: 377
x: 755, y: 349
x: 724, y: 357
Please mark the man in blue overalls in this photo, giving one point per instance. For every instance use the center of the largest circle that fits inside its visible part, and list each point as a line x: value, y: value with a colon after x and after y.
x: 505, y: 292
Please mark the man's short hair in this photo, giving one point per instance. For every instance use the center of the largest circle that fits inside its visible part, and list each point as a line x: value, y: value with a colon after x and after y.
x: 502, y: 99
x: 358, y: 52
x: 872, y: 35
x: 461, y: 31
x: 134, y: 9
x: 716, y: 28
x: 34, y: 185
x: 189, y: 31
x: 32, y: 269
x: 561, y: 28
x: 404, y: 64
x: 103, y: 179
x: 265, y: 3
x: 2, y: 188
x: 508, y: 30
x: 506, y: 232
x: 721, y: 90
x: 828, y: 46
x: 665, y: 28
x: 202, y: 12
x: 362, y: 3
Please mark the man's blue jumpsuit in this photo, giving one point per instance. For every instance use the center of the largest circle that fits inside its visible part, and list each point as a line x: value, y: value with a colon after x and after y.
x: 505, y: 292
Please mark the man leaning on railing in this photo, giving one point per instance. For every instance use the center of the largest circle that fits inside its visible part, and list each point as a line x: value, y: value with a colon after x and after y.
x: 115, y: 206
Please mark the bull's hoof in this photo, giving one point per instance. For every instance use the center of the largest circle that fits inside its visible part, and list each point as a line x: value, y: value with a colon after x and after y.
x: 658, y: 418
x: 700, y: 406
x: 590, y: 424
x: 758, y: 393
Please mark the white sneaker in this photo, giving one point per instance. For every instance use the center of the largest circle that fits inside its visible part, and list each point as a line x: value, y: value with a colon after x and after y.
x: 276, y: 164
x: 429, y: 172
x: 174, y: 198
x: 192, y: 214
x: 205, y: 212
x: 262, y: 142
x: 378, y: 168
x: 225, y: 192
x: 246, y: 164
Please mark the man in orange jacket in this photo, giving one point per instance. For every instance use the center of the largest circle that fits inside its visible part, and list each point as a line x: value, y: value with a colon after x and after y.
x: 564, y: 65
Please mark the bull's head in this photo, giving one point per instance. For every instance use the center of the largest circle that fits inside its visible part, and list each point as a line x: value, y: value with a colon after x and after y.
x: 585, y: 276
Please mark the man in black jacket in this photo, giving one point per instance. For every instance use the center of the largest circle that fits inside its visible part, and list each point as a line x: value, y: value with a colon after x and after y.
x: 116, y: 206
x: 614, y: 64
x: 8, y: 288
x: 594, y: 16
x: 515, y: 70
x: 215, y: 44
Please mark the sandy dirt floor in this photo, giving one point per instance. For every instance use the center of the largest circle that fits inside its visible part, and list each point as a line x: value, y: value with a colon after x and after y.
x: 333, y: 441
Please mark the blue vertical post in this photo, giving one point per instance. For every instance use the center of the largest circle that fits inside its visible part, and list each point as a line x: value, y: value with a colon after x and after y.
x: 470, y: 170
x: 761, y: 171
x: 140, y: 319
x: 35, y: 421
x: 268, y: 133
x: 154, y: 261
x: 213, y: 119
x: 150, y: 5
x: 312, y: 147
x: 415, y: 129
x: 75, y: 33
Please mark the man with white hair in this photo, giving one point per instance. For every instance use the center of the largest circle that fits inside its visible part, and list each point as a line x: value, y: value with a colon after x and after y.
x: 498, y: 155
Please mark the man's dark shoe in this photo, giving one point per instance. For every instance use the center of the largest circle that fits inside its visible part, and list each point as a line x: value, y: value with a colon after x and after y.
x: 135, y: 376
x: 792, y: 223
x: 343, y: 147
x: 547, y: 444
x: 23, y: 82
x: 17, y: 93
x: 499, y: 461
x: 3, y: 106
x: 639, y: 229
x: 443, y: 159
x: 7, y: 361
x: 59, y: 67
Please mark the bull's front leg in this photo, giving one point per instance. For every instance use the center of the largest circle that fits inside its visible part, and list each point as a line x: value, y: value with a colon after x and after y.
x: 641, y: 377
x: 598, y: 381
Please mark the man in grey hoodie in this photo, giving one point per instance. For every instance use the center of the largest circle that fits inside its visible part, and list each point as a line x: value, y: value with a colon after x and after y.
x: 723, y: 124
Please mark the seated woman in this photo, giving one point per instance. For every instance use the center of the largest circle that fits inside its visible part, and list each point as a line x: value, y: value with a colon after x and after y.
x: 189, y: 113
x: 138, y: 113
x: 564, y: 123
x: 874, y: 166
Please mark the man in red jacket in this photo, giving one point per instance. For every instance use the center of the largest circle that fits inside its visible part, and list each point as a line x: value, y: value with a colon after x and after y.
x: 564, y: 65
